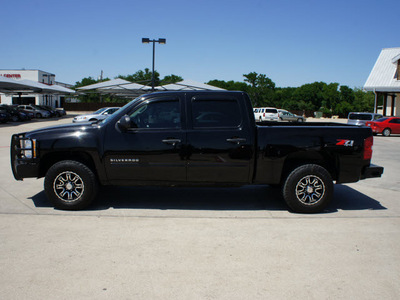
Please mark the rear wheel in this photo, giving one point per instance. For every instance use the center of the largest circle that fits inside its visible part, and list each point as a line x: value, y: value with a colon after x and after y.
x: 70, y: 185
x: 308, y: 189
x: 38, y: 115
x: 299, y: 120
x: 386, y: 132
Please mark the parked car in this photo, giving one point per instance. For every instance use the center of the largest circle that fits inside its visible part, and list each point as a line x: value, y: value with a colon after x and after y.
x: 50, y: 109
x: 98, y: 115
x: 60, y: 111
x: 385, y: 126
x: 266, y: 114
x: 4, y: 116
x: 28, y: 113
x: 360, y: 118
x: 285, y: 115
x: 15, y: 114
x: 37, y: 112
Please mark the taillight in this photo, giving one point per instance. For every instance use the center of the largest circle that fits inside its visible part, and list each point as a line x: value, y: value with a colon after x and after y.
x: 368, y: 143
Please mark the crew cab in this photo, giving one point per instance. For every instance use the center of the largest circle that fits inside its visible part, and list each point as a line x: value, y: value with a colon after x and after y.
x: 194, y: 139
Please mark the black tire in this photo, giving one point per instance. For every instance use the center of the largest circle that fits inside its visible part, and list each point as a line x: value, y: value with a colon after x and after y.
x: 299, y: 120
x: 70, y: 185
x: 308, y: 189
x: 386, y: 132
x: 14, y: 118
x: 38, y: 115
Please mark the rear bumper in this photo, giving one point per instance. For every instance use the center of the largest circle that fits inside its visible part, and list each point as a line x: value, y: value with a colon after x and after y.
x: 372, y: 171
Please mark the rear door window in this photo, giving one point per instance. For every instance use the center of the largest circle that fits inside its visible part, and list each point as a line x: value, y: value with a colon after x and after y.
x: 363, y: 117
x: 215, y: 113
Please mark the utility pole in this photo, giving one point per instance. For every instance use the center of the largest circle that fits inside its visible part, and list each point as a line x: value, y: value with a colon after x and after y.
x: 147, y: 41
x: 101, y: 80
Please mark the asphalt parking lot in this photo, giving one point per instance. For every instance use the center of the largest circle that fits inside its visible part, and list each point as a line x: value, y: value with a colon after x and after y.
x: 200, y: 243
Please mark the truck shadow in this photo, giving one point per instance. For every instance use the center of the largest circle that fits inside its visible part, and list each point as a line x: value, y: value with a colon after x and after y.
x: 193, y: 198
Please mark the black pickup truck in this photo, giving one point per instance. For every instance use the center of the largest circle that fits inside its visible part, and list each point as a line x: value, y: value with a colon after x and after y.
x: 198, y: 139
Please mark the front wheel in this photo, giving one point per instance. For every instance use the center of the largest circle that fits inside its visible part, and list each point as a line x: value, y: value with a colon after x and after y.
x: 308, y: 189
x: 70, y: 185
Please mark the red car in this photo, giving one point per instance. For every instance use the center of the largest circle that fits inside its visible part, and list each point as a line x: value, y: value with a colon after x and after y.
x: 385, y: 126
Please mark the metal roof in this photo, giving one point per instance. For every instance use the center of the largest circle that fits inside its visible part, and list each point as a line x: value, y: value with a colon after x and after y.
x: 123, y: 88
x: 26, y: 86
x: 189, y: 85
x: 103, y: 84
x: 383, y: 75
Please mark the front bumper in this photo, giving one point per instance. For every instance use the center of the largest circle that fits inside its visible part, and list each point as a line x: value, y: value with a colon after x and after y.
x: 21, y: 166
x: 372, y: 171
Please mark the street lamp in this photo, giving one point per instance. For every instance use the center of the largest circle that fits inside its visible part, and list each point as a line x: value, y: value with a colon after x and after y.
x: 147, y: 41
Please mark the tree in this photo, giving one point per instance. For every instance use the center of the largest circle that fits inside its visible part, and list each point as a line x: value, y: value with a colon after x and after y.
x: 229, y: 85
x: 142, y: 76
x: 171, y: 79
x: 363, y: 101
x: 311, y: 93
x: 261, y: 89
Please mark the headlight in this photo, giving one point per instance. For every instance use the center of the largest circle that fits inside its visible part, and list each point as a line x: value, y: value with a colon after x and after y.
x: 28, y: 148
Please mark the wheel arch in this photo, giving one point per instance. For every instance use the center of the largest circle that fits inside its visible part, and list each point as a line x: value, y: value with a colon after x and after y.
x: 50, y: 159
x: 298, y: 159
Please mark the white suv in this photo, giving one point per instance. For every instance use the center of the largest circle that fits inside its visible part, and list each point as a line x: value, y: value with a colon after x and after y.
x: 266, y: 114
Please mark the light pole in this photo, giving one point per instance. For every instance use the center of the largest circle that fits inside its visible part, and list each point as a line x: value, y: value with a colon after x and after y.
x: 147, y: 41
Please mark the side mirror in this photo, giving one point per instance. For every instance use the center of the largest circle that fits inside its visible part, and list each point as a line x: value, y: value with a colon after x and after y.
x: 124, y: 123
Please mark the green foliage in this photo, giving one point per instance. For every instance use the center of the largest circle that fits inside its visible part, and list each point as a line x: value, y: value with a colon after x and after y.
x: 229, y: 85
x: 142, y: 77
x: 171, y: 79
x: 261, y: 89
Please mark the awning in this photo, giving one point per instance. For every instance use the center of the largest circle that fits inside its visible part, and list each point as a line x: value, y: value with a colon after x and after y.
x: 104, y: 84
x: 25, y: 86
x: 8, y: 85
x: 122, y: 88
x: 188, y: 85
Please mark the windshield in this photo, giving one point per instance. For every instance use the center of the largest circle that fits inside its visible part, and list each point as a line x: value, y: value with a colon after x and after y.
x: 97, y: 112
x: 381, y: 120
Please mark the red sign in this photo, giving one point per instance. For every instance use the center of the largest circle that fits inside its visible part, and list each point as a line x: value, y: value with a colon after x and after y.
x: 11, y: 75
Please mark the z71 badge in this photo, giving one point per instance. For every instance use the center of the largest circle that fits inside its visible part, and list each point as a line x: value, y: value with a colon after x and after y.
x: 346, y: 143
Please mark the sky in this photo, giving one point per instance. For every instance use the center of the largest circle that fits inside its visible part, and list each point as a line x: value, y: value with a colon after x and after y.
x: 291, y: 42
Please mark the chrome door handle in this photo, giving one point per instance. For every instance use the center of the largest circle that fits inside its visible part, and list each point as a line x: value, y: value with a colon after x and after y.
x: 236, y: 140
x: 171, y: 141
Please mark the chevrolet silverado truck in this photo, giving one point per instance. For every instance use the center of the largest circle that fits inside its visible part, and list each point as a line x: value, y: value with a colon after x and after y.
x: 194, y: 138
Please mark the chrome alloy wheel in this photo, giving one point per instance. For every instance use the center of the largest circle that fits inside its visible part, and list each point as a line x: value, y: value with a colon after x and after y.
x: 68, y: 186
x: 310, y: 190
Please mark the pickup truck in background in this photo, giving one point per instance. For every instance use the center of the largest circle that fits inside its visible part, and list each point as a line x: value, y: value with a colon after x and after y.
x: 194, y: 138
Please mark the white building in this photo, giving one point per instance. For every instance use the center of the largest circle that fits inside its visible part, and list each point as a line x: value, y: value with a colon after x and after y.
x: 38, y: 99
x: 384, y: 81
